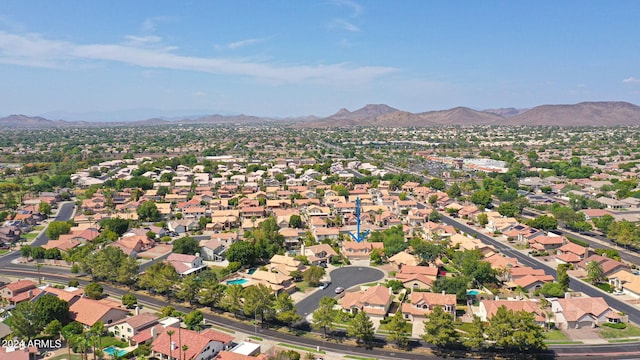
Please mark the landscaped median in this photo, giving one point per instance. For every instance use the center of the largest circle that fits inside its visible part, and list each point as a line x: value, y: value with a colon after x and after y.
x: 302, y: 348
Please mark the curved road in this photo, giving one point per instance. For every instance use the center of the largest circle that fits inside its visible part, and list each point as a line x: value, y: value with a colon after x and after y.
x: 577, y: 285
x: 344, y: 277
x: 65, y: 212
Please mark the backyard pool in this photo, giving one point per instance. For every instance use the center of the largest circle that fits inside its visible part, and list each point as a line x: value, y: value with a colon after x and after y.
x: 114, y: 351
x: 473, y: 292
x: 237, y: 281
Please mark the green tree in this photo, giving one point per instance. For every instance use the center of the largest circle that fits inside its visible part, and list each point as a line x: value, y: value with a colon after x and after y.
x: 189, y: 289
x: 552, y: 289
x: 25, y: 321
x: 481, y: 198
x: 117, y: 225
x: 94, y: 291
x: 361, y: 327
x: 475, y: 336
x: 397, y: 328
x: 129, y: 301
x: 57, y: 228
x: 54, y: 328
x: 563, y: 276
x: 544, y: 222
x: 285, y: 309
x: 452, y: 285
x: 516, y: 331
x: 127, y: 273
x: 325, y: 314
x: 232, y: 299
x: 50, y: 307
x: 439, y: 330
x: 313, y: 275
x: 44, y: 208
x: 186, y: 245
x: 295, y: 221
x: 193, y: 320
x: 242, y: 252
x: 483, y: 219
x: 148, y: 211
x: 595, y: 272
x: 508, y: 209
x: 258, y: 301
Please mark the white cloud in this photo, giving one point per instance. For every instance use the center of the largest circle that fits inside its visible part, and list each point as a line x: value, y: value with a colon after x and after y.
x: 134, y: 40
x: 247, y: 42
x: 631, y: 80
x: 36, y: 51
x: 355, y: 7
x: 343, y: 25
x: 199, y: 94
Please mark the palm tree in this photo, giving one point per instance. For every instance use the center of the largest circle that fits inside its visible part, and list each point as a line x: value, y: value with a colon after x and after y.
x: 184, y: 351
x: 170, y: 333
x: 595, y: 272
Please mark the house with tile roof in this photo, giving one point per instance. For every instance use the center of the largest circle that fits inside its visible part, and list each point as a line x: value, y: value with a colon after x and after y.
x: 404, y: 258
x: 186, y: 264
x: 488, y: 308
x: 578, y: 312
x: 374, y: 301
x: 18, y: 291
x: 230, y: 355
x: 127, y: 328
x: 359, y: 250
x: 422, y: 303
x: 199, y: 345
x: 319, y: 253
x: 571, y: 253
x: 609, y: 266
x: 417, y: 277
x: 626, y: 281
x: 88, y: 312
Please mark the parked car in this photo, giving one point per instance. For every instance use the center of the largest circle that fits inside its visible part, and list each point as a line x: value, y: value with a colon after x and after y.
x: 339, y: 290
x: 324, y: 285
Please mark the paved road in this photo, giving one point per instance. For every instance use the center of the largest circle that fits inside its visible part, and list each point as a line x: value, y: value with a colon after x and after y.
x: 577, y: 285
x: 65, y: 212
x: 345, y: 277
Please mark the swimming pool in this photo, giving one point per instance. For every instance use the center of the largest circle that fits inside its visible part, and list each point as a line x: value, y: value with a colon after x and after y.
x: 237, y: 281
x: 114, y: 351
x: 473, y: 292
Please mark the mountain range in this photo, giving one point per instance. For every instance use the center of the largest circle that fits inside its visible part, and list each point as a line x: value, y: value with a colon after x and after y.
x: 604, y: 113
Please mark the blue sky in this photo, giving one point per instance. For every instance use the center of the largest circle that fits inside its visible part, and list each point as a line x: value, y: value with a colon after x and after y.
x: 294, y: 58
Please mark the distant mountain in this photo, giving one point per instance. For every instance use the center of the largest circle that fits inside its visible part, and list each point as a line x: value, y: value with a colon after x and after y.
x: 604, y: 113
x: 506, y: 112
x: 132, y: 115
x: 35, y: 122
x: 383, y: 115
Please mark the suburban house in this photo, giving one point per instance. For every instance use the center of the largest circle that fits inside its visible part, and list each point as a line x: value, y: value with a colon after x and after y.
x: 574, y: 313
x: 417, y: 277
x: 275, y: 280
x: 186, y: 264
x: 284, y: 264
x: 626, y: 281
x: 88, y: 312
x: 609, y: 266
x: 321, y: 253
x: 199, y: 345
x: 571, y: 253
x: 19, y: 291
x: 359, y: 250
x: 149, y: 334
x: 126, y: 329
x: 422, y: 303
x: 404, y: 258
x: 375, y: 301
x: 488, y: 308
x: 547, y: 243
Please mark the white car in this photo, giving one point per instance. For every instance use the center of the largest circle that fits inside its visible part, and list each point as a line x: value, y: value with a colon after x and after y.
x: 324, y: 285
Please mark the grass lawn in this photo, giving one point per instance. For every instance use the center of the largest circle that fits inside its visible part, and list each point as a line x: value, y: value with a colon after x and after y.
x: 466, y: 327
x: 450, y: 268
x: 31, y: 235
x: 609, y: 333
x: 65, y: 356
x: 554, y: 335
x: 3, y: 252
x: 521, y: 246
x: 384, y: 328
x: 303, y: 286
x: 107, y: 341
x: 604, y: 286
x: 38, y: 228
x: 303, y: 348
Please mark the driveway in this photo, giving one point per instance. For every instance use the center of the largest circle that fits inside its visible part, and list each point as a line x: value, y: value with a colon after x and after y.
x: 345, y: 277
